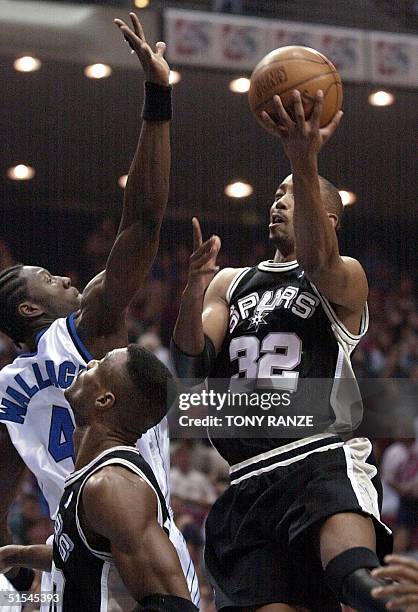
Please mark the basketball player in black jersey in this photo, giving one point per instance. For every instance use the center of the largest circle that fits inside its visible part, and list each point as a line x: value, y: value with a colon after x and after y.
x: 111, y: 546
x: 299, y: 527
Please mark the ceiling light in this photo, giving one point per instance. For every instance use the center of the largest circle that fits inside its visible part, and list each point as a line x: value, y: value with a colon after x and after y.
x: 241, y: 85
x: 381, y: 98
x: 175, y: 77
x: 20, y: 173
x: 27, y: 64
x: 98, y: 71
x: 122, y: 181
x: 347, y: 197
x: 141, y: 3
x: 238, y: 190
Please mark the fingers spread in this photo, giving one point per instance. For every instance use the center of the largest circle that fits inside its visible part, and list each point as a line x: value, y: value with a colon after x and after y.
x: 328, y: 130
x: 406, y: 561
x: 281, y: 112
x: 160, y: 48
x: 399, y: 572
x: 298, y: 109
x: 137, y: 26
x: 317, y: 109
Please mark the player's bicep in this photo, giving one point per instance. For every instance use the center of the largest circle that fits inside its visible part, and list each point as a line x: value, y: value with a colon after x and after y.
x: 129, y: 263
x: 116, y: 501
x: 215, y: 315
x: 343, y: 283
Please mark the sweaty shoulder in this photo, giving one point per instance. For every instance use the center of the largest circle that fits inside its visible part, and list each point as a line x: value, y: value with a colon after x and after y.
x: 102, y: 496
x: 223, y: 281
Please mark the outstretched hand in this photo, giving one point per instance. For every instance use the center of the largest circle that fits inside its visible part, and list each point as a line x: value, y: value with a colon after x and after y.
x: 153, y: 63
x: 302, y: 138
x: 202, y: 263
x: 405, y: 590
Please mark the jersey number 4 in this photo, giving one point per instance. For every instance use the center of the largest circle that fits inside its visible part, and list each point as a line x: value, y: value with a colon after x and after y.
x: 61, y: 434
x: 270, y: 365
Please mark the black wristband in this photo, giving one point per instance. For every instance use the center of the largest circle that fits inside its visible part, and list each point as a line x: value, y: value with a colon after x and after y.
x: 23, y: 579
x: 157, y: 102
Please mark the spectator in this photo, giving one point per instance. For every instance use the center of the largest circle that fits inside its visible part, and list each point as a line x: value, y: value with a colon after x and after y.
x: 187, y: 482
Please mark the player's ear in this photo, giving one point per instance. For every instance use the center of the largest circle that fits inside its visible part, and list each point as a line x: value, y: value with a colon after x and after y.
x: 29, y: 310
x: 334, y: 219
x: 104, y: 401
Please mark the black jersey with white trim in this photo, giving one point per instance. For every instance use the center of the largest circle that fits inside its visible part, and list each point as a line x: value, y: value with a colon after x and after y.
x: 284, y: 331
x: 86, y: 576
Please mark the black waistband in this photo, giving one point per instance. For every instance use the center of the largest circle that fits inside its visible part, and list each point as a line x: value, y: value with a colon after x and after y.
x: 166, y: 603
x: 283, y: 456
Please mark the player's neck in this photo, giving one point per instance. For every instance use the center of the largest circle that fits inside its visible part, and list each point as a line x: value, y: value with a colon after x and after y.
x: 97, y: 439
x: 280, y: 258
x: 31, y: 336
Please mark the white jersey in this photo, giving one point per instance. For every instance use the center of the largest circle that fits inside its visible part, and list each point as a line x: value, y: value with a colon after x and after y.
x: 6, y: 602
x: 41, y: 423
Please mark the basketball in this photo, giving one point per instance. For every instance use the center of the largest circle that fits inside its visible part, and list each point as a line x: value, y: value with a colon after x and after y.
x: 288, y: 68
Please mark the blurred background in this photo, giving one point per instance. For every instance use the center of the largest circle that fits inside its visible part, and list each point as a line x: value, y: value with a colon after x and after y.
x: 70, y: 108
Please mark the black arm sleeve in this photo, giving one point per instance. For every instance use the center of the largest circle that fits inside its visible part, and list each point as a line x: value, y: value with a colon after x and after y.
x: 193, y: 367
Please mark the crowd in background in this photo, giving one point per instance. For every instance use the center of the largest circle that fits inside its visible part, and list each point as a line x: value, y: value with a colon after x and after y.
x: 198, y: 474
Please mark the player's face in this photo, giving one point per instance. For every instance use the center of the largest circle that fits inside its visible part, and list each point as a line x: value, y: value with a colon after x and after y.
x: 281, y: 231
x: 53, y: 294
x: 95, y: 386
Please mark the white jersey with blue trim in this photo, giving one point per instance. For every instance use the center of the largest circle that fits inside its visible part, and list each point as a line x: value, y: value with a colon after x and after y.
x: 41, y: 423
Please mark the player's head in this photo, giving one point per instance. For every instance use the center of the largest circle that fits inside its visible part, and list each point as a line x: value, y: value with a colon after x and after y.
x: 128, y: 391
x: 31, y: 296
x: 281, y: 227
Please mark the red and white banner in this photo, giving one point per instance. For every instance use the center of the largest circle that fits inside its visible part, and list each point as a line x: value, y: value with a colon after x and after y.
x: 231, y: 42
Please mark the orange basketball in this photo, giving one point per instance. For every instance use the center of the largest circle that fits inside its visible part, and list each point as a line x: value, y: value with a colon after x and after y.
x: 288, y: 68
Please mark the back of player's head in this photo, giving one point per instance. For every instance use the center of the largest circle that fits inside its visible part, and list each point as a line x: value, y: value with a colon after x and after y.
x: 332, y: 199
x: 13, y: 290
x: 154, y: 384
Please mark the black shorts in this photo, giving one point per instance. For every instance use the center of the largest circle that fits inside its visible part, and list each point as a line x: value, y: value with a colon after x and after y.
x: 261, y: 534
x: 165, y: 603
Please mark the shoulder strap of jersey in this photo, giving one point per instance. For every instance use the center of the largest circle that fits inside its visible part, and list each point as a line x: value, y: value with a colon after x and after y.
x: 237, y: 281
x: 132, y: 460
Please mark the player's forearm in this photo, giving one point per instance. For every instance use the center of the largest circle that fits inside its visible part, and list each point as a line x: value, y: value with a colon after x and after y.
x: 315, y: 238
x: 146, y: 191
x: 188, y: 332
x: 33, y: 557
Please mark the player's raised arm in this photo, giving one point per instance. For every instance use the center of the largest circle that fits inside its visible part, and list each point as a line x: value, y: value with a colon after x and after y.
x: 108, y: 295
x: 341, y: 279
x: 203, y: 316
x: 122, y: 507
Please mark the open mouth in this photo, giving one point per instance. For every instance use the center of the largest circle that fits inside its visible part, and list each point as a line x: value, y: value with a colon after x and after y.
x: 277, y: 220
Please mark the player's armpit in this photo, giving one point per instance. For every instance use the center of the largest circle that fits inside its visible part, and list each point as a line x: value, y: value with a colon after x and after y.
x: 343, y: 282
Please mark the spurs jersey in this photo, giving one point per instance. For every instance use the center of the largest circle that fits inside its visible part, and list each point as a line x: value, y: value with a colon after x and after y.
x: 85, y: 574
x: 282, y: 332
x: 40, y: 421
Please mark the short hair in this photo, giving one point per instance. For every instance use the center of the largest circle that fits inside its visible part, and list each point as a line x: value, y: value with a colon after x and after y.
x: 332, y: 200
x: 153, y: 380
x: 13, y: 291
